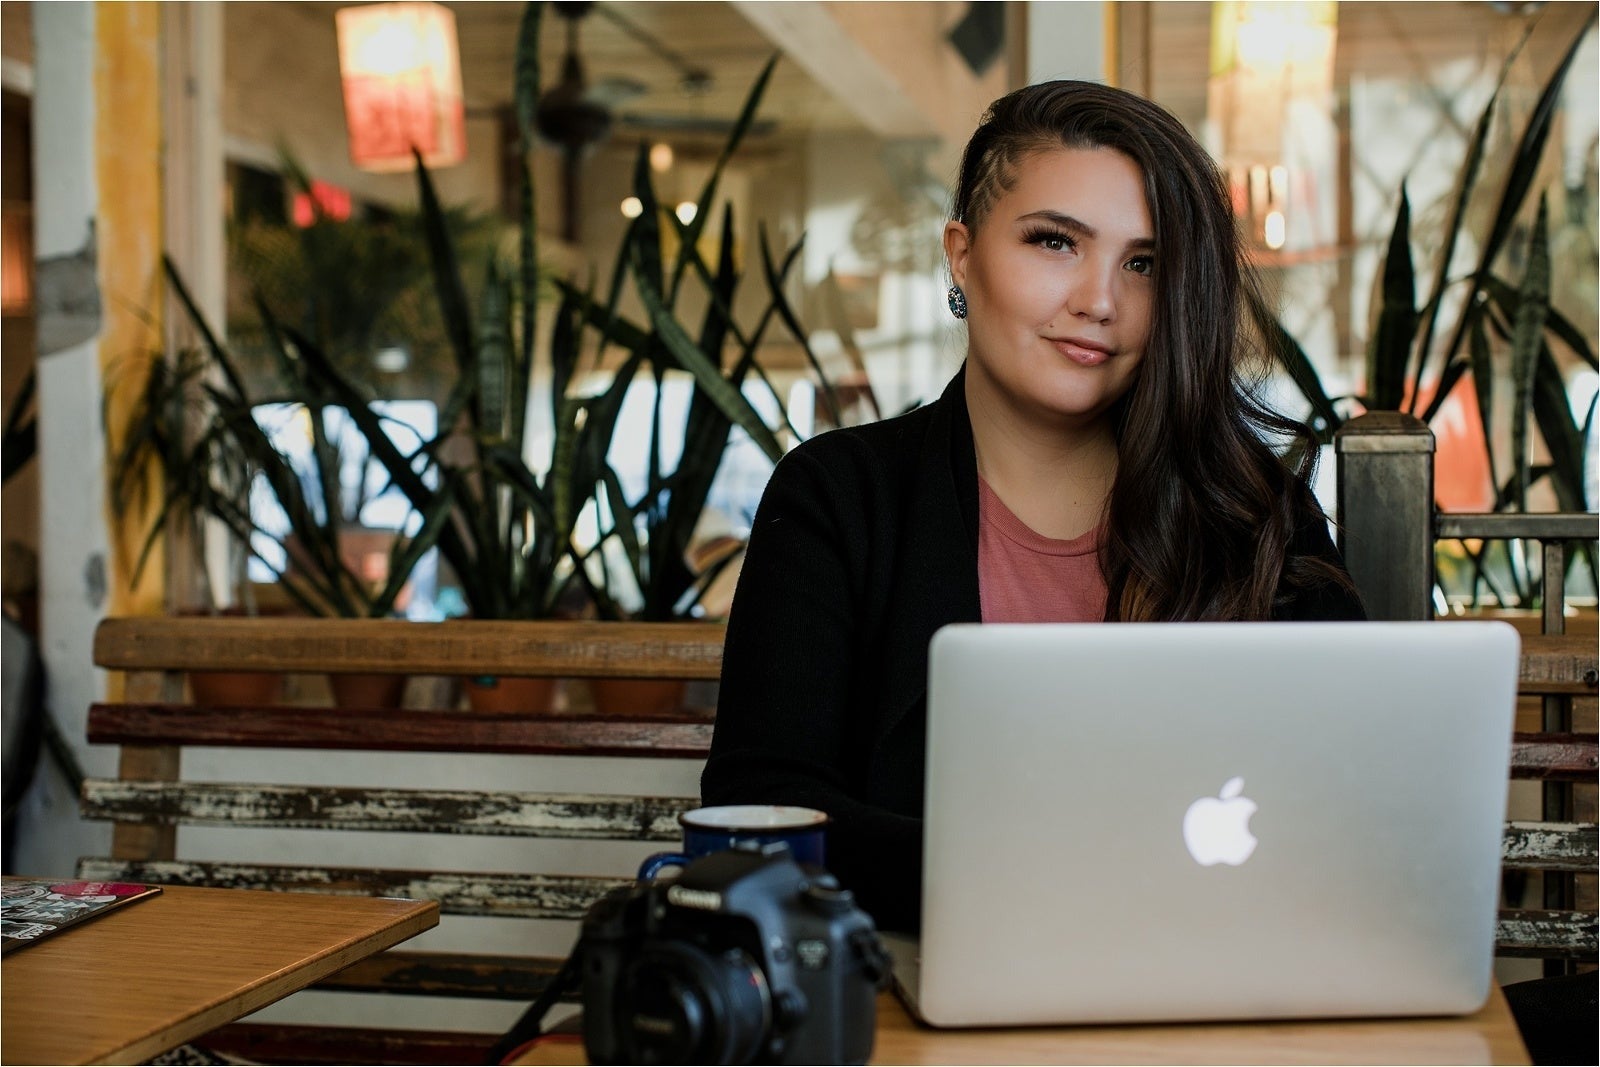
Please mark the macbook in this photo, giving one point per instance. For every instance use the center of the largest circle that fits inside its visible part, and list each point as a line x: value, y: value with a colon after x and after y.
x: 1211, y: 821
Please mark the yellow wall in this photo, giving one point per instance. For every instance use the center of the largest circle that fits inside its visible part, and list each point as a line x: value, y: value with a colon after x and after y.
x: 128, y: 142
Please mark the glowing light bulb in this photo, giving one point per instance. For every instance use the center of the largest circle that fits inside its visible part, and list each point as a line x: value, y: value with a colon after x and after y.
x: 632, y: 208
x: 686, y: 212
x: 1274, y: 230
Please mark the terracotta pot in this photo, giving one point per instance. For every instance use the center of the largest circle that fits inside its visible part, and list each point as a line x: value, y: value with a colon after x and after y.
x: 367, y: 690
x: 510, y: 694
x: 235, y: 689
x: 637, y: 696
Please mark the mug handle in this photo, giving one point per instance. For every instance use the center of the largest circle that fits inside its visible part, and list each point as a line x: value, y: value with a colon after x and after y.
x: 653, y: 864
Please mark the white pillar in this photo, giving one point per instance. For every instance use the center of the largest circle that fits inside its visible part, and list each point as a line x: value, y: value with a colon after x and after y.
x: 194, y: 238
x: 1071, y: 39
x: 73, y: 560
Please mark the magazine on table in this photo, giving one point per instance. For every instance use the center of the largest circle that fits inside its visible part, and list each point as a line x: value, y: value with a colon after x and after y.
x: 32, y: 909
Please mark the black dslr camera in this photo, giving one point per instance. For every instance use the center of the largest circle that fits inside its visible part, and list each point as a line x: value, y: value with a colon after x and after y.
x: 745, y: 958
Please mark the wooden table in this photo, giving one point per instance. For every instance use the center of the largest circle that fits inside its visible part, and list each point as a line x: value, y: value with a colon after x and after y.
x: 1490, y: 1036
x: 155, y: 973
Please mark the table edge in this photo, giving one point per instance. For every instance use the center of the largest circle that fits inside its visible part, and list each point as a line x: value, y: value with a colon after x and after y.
x: 403, y: 926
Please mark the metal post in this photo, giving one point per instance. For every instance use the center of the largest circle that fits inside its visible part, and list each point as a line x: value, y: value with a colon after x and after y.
x: 1560, y: 888
x: 1385, y: 474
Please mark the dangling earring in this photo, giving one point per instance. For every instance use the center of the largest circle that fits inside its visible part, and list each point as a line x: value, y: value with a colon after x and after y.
x: 958, y: 302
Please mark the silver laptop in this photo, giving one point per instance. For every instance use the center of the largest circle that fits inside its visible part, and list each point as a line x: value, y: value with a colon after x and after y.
x: 1211, y: 821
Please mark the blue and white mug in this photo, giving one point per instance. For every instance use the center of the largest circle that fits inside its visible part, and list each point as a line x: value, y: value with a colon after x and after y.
x: 707, y: 830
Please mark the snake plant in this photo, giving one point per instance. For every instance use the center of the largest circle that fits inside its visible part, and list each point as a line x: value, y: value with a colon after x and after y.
x: 210, y: 466
x: 654, y: 530
x: 1402, y: 353
x: 1500, y: 319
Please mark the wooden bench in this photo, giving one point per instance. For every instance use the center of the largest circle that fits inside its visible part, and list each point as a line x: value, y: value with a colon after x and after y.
x: 149, y: 799
x: 1554, y: 668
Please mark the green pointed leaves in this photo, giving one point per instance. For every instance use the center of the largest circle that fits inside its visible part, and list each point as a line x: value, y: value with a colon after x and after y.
x: 1389, y: 350
x: 1525, y: 160
x: 707, y: 375
x: 505, y: 530
x: 562, y: 482
x: 642, y: 248
x: 780, y: 302
x: 1503, y: 329
x: 447, y: 281
x: 1527, y: 337
x: 1483, y: 385
x: 21, y: 429
x: 408, y: 552
x: 525, y: 88
x: 624, y: 525
x: 1563, y: 437
x: 736, y: 136
x: 494, y: 357
x: 1465, y: 183
x: 653, y: 532
x: 833, y: 297
x: 1505, y: 297
x: 526, y: 93
x: 1288, y: 354
x: 1529, y: 151
x: 198, y: 321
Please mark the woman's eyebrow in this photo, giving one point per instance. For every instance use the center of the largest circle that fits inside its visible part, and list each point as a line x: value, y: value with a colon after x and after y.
x: 1079, y: 228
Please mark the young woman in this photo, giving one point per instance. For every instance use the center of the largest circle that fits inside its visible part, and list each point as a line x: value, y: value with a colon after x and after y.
x: 1099, y: 457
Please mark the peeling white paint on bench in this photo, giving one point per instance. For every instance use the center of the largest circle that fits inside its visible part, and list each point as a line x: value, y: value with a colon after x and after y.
x: 1551, y: 846
x: 554, y: 815
x: 527, y: 896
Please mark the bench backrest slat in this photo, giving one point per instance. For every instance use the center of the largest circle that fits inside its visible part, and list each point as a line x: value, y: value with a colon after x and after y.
x: 1528, y: 845
x: 309, y: 807
x: 396, y: 730
x: 1558, y: 664
x: 1550, y: 846
x: 553, y: 649
x: 506, y: 895
x: 1554, y: 757
x: 1567, y: 935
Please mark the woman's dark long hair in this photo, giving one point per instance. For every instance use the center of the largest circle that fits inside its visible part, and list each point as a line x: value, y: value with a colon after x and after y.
x: 1202, y: 515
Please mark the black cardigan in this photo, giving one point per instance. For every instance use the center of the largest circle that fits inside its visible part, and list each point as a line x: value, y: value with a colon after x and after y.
x: 865, y: 544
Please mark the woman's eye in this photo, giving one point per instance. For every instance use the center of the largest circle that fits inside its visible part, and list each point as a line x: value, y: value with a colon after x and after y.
x: 1050, y: 241
x: 1141, y: 265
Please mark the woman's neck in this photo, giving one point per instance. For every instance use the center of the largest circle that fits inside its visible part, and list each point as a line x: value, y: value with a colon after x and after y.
x: 1055, y: 476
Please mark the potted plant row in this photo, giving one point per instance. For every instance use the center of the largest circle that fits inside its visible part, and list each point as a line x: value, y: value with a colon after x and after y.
x: 209, y: 471
x: 527, y: 519
x: 194, y: 419
x: 505, y: 529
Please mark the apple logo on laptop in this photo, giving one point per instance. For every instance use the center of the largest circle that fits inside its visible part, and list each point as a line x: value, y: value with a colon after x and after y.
x: 1216, y: 830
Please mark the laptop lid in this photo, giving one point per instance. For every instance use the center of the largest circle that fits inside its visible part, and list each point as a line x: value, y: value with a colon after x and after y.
x: 1201, y: 821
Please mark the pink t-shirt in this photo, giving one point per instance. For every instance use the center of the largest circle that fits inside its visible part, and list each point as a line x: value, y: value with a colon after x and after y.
x: 1026, y: 577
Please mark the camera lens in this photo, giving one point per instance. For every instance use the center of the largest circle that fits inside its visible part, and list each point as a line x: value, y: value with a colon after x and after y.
x: 681, y: 1004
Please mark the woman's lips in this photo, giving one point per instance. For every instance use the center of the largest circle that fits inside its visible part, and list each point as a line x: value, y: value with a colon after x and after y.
x: 1082, y: 352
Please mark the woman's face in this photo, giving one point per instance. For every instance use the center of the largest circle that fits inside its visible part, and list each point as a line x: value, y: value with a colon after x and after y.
x: 1058, y: 284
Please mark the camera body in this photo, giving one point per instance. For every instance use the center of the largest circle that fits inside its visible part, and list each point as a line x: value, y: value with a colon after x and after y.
x: 745, y: 958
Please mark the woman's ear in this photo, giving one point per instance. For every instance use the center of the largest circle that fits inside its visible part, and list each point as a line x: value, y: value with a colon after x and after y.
x: 957, y: 243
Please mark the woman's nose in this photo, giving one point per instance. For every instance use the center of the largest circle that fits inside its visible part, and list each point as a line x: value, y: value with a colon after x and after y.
x: 1093, y: 294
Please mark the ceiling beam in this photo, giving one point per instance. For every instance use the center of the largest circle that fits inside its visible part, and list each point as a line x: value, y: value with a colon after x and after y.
x: 843, y: 61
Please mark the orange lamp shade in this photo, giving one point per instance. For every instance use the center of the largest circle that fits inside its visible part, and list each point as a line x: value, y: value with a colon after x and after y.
x: 401, y: 72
